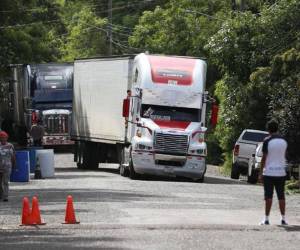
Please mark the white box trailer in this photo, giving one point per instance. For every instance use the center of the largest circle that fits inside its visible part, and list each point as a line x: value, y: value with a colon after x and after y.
x: 98, y: 127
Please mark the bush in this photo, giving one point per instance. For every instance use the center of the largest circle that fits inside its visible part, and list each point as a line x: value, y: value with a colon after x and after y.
x: 226, y: 167
x: 214, y: 152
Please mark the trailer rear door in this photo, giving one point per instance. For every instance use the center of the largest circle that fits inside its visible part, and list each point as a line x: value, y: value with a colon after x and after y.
x: 100, y: 86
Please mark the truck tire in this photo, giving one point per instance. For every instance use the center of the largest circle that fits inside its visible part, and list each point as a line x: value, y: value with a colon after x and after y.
x: 235, y: 172
x: 201, y: 180
x: 253, y: 178
x: 124, y: 171
x: 90, y: 156
x: 132, y: 174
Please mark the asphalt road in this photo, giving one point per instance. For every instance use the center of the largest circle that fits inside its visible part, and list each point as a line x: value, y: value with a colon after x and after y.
x: 153, y: 213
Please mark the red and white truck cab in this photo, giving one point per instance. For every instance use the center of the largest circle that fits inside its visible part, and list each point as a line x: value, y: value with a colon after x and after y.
x: 166, y: 117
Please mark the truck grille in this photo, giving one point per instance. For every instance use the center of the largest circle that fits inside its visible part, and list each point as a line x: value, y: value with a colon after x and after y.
x: 171, y: 143
x: 56, y: 124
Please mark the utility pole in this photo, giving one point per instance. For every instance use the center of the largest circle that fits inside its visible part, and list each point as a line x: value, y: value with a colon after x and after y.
x: 110, y: 26
x: 238, y: 5
x: 233, y: 5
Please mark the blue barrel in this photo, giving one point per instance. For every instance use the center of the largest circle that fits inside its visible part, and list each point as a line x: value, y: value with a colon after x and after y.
x: 32, y: 155
x: 21, y: 173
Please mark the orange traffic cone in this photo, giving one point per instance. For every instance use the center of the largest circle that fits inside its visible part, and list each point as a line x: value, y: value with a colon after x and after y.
x: 25, y: 212
x: 35, y: 216
x: 70, y: 213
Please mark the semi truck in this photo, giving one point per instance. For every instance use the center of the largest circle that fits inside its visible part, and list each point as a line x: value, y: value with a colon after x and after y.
x: 40, y: 93
x: 144, y: 112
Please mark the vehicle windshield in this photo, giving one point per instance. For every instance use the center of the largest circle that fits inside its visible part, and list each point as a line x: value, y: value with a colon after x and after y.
x: 52, y: 77
x: 254, y: 136
x: 165, y: 113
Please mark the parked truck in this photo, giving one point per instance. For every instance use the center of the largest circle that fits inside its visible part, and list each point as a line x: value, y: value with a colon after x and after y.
x: 164, y: 110
x: 40, y: 93
x: 244, y: 149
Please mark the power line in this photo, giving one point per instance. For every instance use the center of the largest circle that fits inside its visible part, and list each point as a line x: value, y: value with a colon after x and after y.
x: 203, y: 14
x: 110, y: 13
x: 120, y: 26
x: 114, y: 41
x: 28, y: 24
x: 45, y: 8
x: 66, y: 34
x: 121, y: 33
x: 125, y: 6
x: 105, y: 11
x: 126, y: 47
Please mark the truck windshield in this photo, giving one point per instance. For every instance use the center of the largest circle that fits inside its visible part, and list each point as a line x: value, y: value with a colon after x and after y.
x: 165, y: 113
x: 254, y: 136
x: 52, y: 76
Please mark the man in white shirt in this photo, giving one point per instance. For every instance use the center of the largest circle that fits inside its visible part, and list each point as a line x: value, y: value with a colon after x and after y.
x: 273, y: 170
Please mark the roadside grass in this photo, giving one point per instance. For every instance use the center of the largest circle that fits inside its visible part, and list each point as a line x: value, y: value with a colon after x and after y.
x: 225, y: 169
x: 292, y: 187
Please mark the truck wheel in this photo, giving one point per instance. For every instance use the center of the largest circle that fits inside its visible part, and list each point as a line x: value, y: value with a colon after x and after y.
x: 132, y: 174
x: 201, y: 180
x: 90, y: 156
x: 235, y: 172
x: 80, y: 165
x: 253, y: 177
x: 124, y: 171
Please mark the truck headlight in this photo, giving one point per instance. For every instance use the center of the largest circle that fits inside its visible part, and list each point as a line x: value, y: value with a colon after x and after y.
x: 198, y: 136
x: 138, y: 133
x: 201, y: 151
x: 143, y: 147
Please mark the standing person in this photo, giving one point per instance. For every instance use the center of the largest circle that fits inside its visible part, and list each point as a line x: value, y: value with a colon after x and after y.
x: 37, y: 133
x: 273, y: 170
x: 127, y: 118
x: 7, y: 161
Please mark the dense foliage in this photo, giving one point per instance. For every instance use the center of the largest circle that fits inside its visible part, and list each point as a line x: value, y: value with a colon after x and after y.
x: 248, y: 45
x: 27, y: 29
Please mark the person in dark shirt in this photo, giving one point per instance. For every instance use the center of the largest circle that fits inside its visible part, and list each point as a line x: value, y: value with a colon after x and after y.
x: 37, y: 133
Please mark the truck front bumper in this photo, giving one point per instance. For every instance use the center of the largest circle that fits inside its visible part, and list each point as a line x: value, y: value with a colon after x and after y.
x: 146, y: 162
x: 57, y: 140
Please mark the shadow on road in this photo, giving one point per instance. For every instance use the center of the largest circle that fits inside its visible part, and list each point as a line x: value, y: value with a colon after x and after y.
x: 53, y: 195
x: 108, y: 170
x: 46, y: 239
x: 291, y: 228
x: 223, y: 180
x: 208, y: 179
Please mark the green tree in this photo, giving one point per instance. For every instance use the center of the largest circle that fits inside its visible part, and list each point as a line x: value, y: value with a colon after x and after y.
x: 85, y: 34
x: 181, y: 28
x: 284, y: 78
x: 26, y: 31
x: 245, y: 46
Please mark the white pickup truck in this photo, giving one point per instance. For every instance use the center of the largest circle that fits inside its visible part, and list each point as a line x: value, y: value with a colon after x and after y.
x: 243, y: 150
